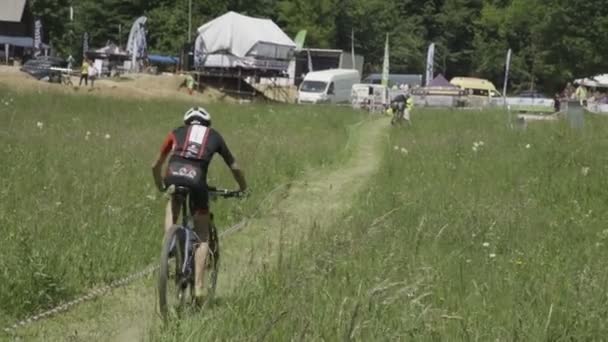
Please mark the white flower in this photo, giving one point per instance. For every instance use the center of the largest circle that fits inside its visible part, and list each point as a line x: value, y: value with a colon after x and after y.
x: 57, y: 203
x: 585, y: 170
x: 88, y: 133
x: 492, y: 255
x: 395, y: 147
x: 468, y: 261
x: 39, y: 124
x: 151, y: 197
x: 107, y: 136
x: 474, y: 148
x: 404, y: 150
x: 481, y: 143
x: 86, y: 137
x: 528, y: 146
x: 486, y: 244
x: 476, y: 144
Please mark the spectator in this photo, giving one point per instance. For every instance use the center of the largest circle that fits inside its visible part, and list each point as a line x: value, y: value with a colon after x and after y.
x: 92, y: 74
x: 70, y: 62
x: 581, y: 93
x: 556, y: 103
x: 190, y: 83
x: 84, y: 72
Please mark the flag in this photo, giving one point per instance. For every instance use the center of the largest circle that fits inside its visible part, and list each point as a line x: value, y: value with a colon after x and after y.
x: 352, y: 48
x: 309, y: 61
x: 37, y: 37
x: 300, y: 39
x: 85, y: 43
x: 430, y: 61
x: 507, y: 66
x: 385, y: 64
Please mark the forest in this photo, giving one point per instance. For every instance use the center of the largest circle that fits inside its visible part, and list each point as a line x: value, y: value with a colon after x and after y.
x: 553, y: 41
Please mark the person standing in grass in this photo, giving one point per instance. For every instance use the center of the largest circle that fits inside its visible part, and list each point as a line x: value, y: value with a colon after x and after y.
x: 92, y: 74
x: 190, y: 83
x: 84, y: 72
x: 191, y: 147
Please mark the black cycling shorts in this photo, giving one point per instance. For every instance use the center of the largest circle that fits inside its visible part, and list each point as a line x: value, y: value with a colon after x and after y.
x: 190, y: 175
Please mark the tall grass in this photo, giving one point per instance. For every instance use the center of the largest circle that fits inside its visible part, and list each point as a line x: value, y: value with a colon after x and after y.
x: 77, y: 202
x: 508, y: 242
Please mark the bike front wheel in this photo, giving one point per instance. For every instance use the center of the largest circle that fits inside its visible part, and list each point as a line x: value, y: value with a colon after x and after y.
x: 171, y: 287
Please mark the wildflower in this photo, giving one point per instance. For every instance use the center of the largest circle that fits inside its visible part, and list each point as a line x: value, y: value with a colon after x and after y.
x: 492, y: 255
x: 481, y: 143
x: 585, y: 170
x: 395, y: 147
x: 404, y: 150
x: 528, y: 146
x: 57, y: 203
x: 468, y: 261
x: 474, y: 148
x: 476, y: 144
x: 39, y: 124
x: 88, y: 132
x: 86, y: 137
x: 107, y: 136
x: 151, y: 197
x: 486, y: 244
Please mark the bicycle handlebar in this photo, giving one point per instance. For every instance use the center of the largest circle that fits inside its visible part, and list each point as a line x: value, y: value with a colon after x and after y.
x: 225, y: 193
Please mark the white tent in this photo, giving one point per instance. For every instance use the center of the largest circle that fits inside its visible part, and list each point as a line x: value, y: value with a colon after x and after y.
x: 235, y: 40
x: 599, y: 81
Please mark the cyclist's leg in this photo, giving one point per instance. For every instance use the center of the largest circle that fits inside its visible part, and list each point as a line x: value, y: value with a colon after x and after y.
x: 172, y: 212
x: 199, y: 206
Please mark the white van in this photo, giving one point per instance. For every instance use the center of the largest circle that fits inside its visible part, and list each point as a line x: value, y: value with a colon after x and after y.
x: 328, y: 86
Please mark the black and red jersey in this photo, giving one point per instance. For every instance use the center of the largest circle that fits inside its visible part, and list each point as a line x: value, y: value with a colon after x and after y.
x: 196, y: 143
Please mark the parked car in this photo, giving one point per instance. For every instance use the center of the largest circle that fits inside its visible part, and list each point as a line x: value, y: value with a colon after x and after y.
x: 328, y: 86
x: 40, y: 67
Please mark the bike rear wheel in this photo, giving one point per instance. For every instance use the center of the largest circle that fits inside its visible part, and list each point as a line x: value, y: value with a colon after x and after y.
x: 171, y: 288
x: 212, y: 265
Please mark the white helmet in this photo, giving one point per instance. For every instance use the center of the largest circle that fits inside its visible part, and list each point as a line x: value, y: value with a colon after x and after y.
x: 198, y: 115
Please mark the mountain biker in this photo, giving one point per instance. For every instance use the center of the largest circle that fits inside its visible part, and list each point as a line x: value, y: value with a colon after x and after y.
x: 402, y: 104
x: 192, y: 147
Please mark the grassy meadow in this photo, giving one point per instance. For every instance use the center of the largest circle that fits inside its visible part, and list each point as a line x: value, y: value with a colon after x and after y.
x: 78, y: 207
x: 470, y: 231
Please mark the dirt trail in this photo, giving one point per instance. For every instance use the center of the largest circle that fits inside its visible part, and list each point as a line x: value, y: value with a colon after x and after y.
x: 320, y: 198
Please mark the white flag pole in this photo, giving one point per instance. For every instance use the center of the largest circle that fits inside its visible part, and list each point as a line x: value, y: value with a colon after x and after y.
x: 504, y: 87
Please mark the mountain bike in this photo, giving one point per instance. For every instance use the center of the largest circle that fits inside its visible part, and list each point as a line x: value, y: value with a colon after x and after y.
x: 176, y: 274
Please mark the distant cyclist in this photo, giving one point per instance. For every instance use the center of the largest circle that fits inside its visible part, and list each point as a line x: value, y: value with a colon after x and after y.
x: 401, y: 105
x: 192, y: 147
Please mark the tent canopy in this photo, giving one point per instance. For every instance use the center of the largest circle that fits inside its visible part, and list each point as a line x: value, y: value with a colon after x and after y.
x: 243, y: 36
x: 110, y: 49
x: 11, y: 10
x: 441, y: 82
x: 160, y: 59
x: 25, y: 42
x: 599, y: 81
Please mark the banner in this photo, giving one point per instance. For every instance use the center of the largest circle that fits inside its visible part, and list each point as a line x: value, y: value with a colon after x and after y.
x: 85, y: 43
x: 37, y: 37
x: 507, y: 66
x: 137, y: 45
x: 430, y: 62
x: 385, y: 65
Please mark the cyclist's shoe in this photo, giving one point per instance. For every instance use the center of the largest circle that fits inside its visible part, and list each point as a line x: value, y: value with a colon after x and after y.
x: 200, y: 297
